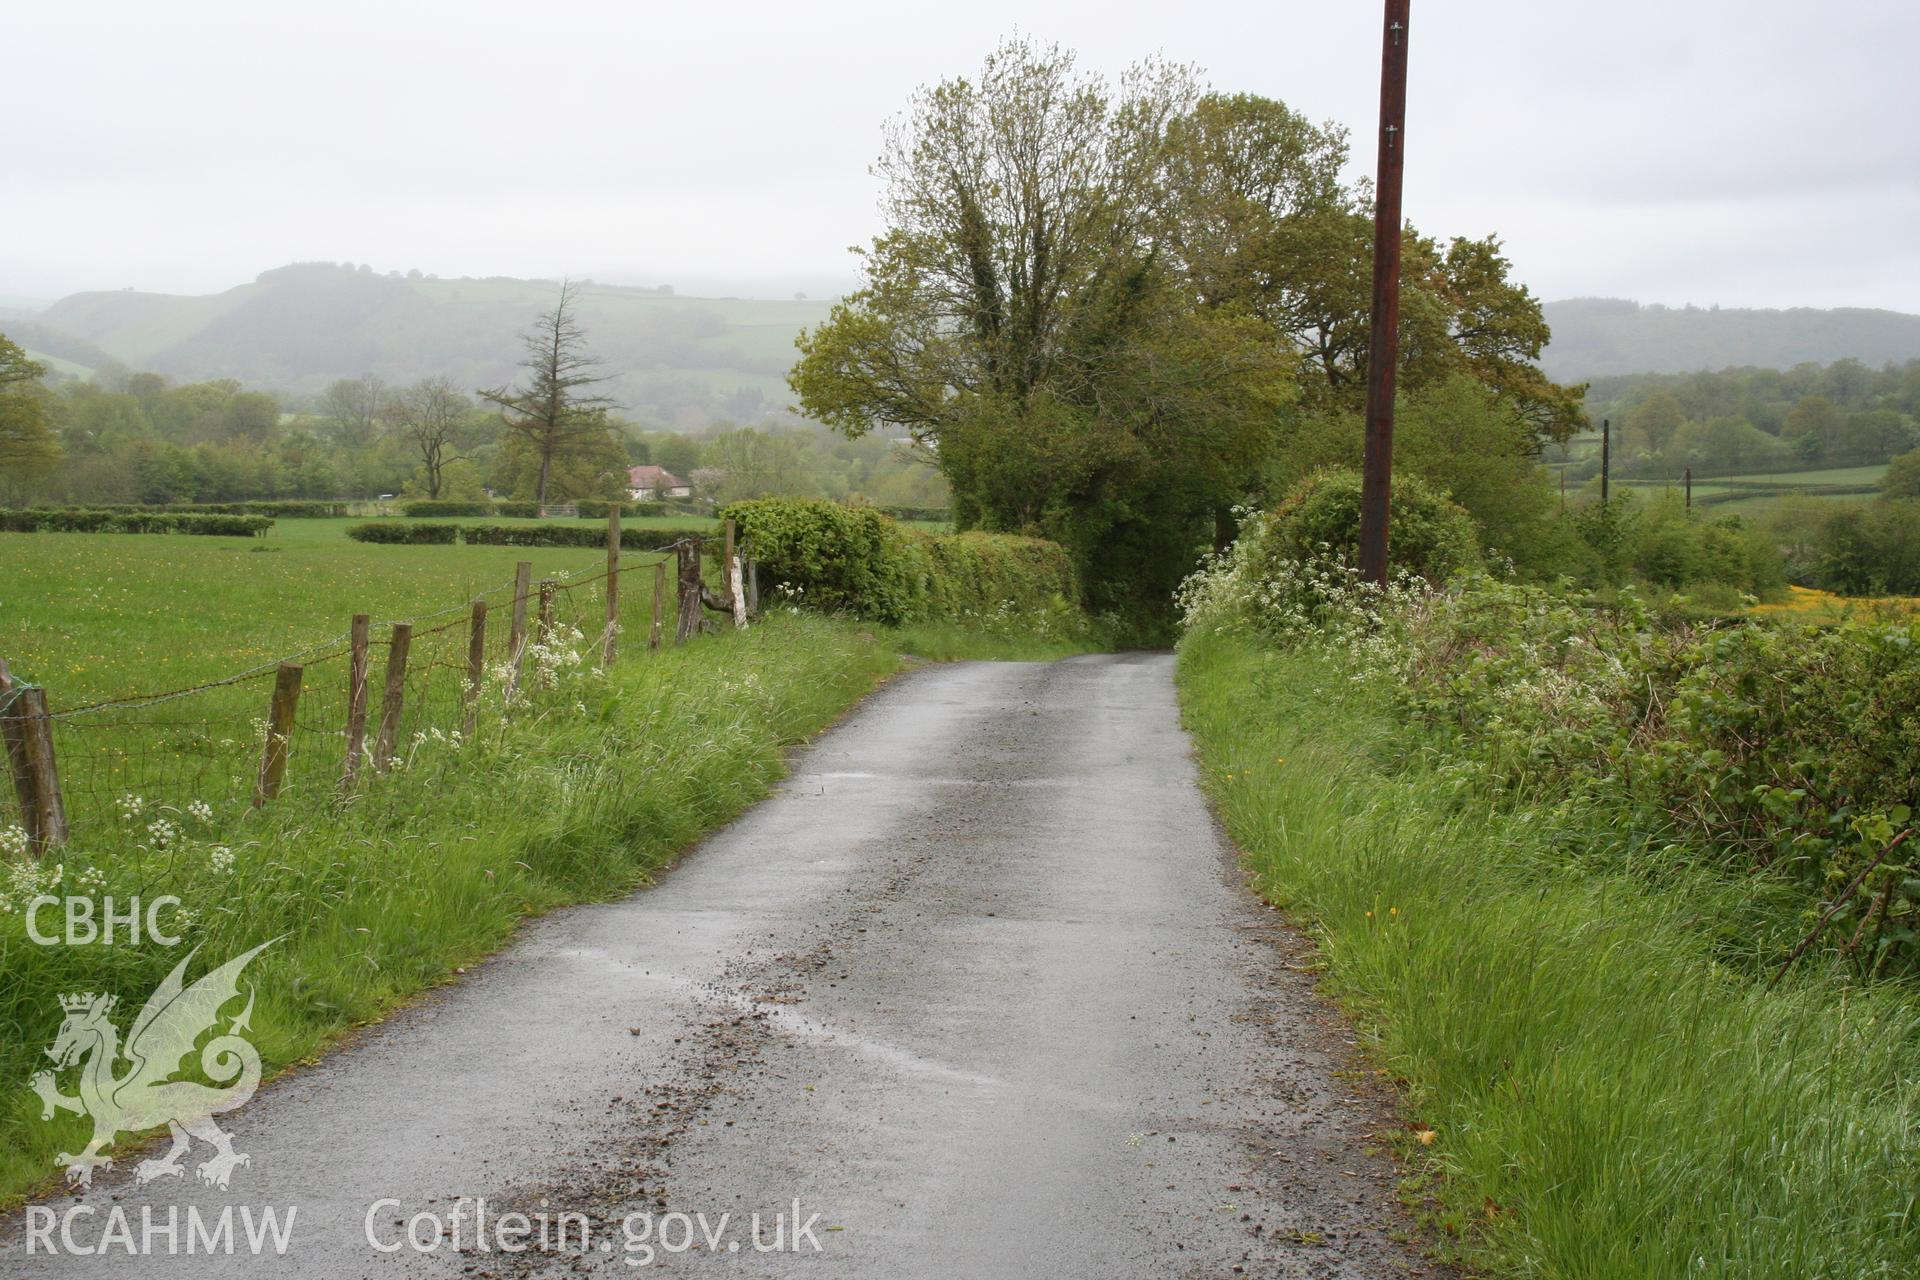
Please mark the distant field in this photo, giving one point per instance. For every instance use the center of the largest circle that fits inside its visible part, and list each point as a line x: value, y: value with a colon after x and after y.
x: 95, y: 616
x: 1798, y: 479
x: 65, y: 368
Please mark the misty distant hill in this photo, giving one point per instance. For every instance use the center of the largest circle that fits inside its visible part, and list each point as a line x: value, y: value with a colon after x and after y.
x: 675, y: 361
x: 1596, y: 337
x: 690, y: 361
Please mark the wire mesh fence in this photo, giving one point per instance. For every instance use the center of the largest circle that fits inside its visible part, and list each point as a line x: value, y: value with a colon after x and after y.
x: 332, y: 718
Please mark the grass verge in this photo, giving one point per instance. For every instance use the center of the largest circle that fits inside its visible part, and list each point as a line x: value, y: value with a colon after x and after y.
x: 1606, y: 1098
x: 582, y: 797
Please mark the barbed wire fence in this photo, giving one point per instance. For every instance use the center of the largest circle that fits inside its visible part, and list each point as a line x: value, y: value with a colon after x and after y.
x: 333, y: 717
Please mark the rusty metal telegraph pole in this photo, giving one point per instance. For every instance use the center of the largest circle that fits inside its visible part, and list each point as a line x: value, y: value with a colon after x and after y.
x: 1383, y: 349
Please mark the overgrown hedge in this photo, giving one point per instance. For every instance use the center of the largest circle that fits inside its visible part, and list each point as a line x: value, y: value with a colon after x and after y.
x: 576, y: 535
x: 404, y: 532
x: 94, y: 520
x: 857, y: 560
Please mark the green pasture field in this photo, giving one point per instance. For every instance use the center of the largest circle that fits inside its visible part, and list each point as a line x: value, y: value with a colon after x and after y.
x: 101, y: 615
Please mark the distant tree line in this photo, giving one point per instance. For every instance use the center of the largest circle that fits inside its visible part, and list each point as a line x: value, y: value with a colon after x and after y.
x: 1746, y: 420
x: 132, y: 437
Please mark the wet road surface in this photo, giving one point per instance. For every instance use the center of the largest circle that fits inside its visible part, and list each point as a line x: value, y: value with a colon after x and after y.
x: 979, y: 989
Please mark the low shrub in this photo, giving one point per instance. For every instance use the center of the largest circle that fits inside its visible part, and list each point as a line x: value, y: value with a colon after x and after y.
x: 515, y: 509
x: 1869, y: 549
x: 404, y: 533
x: 855, y: 559
x: 1429, y: 533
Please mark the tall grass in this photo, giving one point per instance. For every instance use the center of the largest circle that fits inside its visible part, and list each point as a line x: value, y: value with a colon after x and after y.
x: 582, y: 795
x: 1607, y: 1095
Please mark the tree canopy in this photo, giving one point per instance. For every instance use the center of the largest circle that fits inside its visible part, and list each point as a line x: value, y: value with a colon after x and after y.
x: 1098, y: 303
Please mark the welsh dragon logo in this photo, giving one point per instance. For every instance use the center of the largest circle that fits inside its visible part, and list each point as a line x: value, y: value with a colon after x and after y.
x: 143, y: 1096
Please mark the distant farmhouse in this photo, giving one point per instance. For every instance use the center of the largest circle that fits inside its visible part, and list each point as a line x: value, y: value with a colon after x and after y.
x: 650, y: 484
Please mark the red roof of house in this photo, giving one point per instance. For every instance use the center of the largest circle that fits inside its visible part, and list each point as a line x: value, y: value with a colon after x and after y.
x: 652, y: 477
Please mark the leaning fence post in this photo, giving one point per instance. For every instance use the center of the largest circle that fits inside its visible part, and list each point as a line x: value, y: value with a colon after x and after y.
x: 476, y: 666
x: 689, y: 592
x: 544, y: 625
x: 29, y: 739
x: 659, y: 600
x: 273, y: 756
x: 517, y: 628
x: 610, y: 642
x: 396, y: 696
x: 356, y: 701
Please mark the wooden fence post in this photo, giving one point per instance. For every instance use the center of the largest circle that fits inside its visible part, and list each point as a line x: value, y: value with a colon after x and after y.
x: 736, y: 593
x: 394, y: 702
x: 727, y: 529
x: 15, y: 730
x: 753, y: 588
x: 517, y: 629
x: 29, y: 739
x: 689, y: 592
x: 610, y: 642
x: 356, y: 701
x: 50, y: 810
x: 659, y: 601
x: 476, y: 666
x: 544, y: 625
x: 273, y: 756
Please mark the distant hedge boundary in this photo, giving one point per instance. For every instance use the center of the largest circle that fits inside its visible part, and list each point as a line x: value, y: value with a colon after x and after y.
x: 103, y: 520
x: 517, y: 509
x: 424, y: 533
x: 857, y: 560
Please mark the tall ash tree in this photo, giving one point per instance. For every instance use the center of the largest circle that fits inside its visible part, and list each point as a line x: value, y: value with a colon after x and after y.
x: 552, y: 410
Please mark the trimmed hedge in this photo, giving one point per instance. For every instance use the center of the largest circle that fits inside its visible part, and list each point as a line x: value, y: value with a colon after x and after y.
x: 926, y: 514
x: 424, y: 508
x: 82, y: 520
x: 517, y: 510
x: 292, y: 509
x: 856, y: 559
x: 404, y: 533
x: 576, y: 535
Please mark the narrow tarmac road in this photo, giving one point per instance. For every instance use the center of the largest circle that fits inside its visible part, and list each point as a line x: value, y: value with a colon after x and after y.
x: 980, y: 986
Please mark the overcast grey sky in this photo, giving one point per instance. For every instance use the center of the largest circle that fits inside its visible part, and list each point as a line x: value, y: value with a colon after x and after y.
x: 1759, y: 153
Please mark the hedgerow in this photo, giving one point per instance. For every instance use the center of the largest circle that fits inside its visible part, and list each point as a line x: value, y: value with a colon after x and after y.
x: 576, y: 535
x: 1766, y: 748
x: 403, y: 532
x: 856, y: 560
x: 89, y: 520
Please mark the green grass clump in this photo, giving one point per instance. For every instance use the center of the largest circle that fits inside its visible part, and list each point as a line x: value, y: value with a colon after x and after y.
x: 1608, y: 1096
